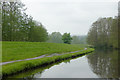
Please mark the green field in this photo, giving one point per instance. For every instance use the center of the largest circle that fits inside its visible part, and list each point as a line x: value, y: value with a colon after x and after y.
x: 18, y: 67
x: 22, y: 50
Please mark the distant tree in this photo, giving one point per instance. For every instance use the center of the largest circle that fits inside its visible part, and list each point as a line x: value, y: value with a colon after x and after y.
x: 75, y: 40
x: 83, y: 39
x: 67, y: 38
x: 55, y: 37
x: 79, y: 39
x: 38, y: 33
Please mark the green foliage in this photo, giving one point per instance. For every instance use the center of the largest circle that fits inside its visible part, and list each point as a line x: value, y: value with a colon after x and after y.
x: 12, y: 20
x: 79, y: 39
x: 23, y: 50
x: 75, y: 40
x: 38, y: 33
x: 0, y: 33
x: 26, y: 65
x: 67, y: 38
x: 18, y: 26
x: 104, y: 33
x: 55, y: 37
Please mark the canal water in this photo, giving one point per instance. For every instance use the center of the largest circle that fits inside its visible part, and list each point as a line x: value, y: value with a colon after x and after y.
x: 100, y: 64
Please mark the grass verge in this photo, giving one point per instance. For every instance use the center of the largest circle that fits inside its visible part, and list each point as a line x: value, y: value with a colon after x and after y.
x: 22, y: 50
x: 22, y: 66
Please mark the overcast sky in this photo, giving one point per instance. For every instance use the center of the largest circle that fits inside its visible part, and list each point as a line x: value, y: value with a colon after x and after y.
x: 74, y: 16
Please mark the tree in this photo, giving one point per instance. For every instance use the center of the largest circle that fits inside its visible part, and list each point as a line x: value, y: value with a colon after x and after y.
x: 14, y: 21
x: 55, y: 37
x: 75, y: 40
x: 18, y: 26
x: 104, y: 33
x: 79, y: 39
x: 67, y: 38
x: 0, y: 23
x: 38, y: 33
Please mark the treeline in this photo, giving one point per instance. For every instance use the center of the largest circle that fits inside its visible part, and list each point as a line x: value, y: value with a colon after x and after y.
x: 104, y: 33
x: 79, y: 39
x: 18, y: 26
x: 56, y: 37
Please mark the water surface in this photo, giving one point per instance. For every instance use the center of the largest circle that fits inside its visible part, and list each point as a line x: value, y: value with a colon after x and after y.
x: 100, y: 64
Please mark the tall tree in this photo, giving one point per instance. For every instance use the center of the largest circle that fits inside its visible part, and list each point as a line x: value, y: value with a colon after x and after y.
x: 0, y: 22
x: 12, y: 19
x: 104, y: 33
x: 18, y: 26
x: 75, y: 40
x: 38, y: 33
x: 55, y: 37
x: 67, y: 38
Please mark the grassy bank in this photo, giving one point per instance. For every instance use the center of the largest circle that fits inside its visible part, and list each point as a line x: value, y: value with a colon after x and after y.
x: 18, y: 67
x: 22, y: 50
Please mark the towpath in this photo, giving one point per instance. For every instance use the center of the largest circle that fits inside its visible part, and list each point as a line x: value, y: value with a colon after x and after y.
x: 42, y: 56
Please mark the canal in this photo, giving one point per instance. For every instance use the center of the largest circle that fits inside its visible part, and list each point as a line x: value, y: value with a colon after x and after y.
x: 99, y: 64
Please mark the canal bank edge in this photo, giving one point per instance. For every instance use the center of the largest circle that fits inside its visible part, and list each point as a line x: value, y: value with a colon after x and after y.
x: 18, y: 67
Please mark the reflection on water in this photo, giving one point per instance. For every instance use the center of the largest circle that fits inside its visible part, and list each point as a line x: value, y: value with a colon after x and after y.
x: 74, y: 68
x: 104, y: 63
x: 100, y: 64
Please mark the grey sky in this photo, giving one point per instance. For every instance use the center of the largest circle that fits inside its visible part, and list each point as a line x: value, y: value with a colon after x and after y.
x: 74, y: 16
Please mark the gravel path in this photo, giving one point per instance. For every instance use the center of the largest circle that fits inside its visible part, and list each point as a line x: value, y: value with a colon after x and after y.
x: 55, y: 54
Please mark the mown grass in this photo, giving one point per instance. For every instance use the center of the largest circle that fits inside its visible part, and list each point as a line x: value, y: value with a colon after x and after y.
x: 22, y: 50
x: 18, y: 67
